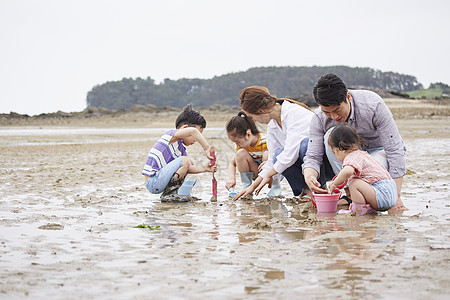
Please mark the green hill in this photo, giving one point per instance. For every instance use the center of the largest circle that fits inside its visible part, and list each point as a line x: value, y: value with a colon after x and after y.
x: 435, y: 91
x: 293, y: 82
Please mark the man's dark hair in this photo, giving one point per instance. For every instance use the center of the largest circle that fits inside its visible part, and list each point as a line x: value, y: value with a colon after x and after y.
x: 190, y: 117
x: 330, y: 90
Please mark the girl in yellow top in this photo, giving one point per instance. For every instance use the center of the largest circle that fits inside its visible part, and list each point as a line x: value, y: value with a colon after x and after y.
x: 251, y: 153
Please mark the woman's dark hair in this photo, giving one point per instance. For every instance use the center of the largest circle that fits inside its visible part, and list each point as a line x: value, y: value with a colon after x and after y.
x: 256, y: 98
x: 344, y: 137
x: 330, y: 90
x: 239, y: 124
x: 190, y: 117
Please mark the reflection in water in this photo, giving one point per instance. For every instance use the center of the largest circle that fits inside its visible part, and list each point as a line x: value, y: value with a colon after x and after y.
x: 327, y: 215
x: 247, y: 237
x: 287, y: 223
x: 274, y: 275
x: 224, y: 227
x: 353, y: 279
x: 251, y: 289
x: 328, y: 249
x: 282, y: 235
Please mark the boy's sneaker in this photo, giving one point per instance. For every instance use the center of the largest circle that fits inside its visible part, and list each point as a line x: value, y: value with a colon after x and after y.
x: 170, y: 193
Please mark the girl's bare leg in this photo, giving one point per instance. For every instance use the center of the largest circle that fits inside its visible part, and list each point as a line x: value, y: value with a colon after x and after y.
x: 245, y: 163
x: 363, y: 193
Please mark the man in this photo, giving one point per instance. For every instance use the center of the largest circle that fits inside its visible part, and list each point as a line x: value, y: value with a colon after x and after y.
x: 367, y: 113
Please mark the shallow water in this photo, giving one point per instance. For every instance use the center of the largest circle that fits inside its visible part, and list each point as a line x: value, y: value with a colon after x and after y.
x: 69, y: 207
x: 29, y: 136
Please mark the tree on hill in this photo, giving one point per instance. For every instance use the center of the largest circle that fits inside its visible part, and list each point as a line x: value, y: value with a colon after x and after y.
x: 292, y: 82
x: 439, y: 85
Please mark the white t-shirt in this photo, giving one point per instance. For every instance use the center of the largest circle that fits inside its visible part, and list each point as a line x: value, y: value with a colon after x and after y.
x: 295, y: 121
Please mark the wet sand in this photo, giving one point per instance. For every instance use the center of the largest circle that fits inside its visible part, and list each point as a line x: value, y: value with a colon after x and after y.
x: 71, y: 197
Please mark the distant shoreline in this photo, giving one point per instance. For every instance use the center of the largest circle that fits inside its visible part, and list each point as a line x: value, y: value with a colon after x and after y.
x: 154, y: 116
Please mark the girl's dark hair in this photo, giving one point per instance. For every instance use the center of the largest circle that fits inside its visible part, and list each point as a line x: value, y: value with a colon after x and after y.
x: 330, y: 90
x: 344, y: 137
x: 190, y: 117
x: 239, y: 124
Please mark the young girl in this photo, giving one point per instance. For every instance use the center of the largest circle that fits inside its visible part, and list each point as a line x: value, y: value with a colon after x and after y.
x: 287, y: 136
x: 369, y: 182
x: 251, y: 153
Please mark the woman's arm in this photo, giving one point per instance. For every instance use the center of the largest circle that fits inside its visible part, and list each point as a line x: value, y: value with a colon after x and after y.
x: 249, y: 189
x: 265, y: 180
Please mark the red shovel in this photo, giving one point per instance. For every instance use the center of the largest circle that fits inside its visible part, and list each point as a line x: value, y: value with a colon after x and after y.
x: 214, y: 181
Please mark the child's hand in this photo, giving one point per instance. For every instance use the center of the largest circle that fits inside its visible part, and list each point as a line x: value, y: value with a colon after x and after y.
x: 209, y: 168
x: 331, y: 187
x: 230, y: 184
x: 208, y: 153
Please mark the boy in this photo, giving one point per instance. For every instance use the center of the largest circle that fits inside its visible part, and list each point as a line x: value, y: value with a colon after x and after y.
x: 168, y: 164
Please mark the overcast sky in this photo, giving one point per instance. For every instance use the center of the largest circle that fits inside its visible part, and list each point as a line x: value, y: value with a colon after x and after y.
x: 54, y: 51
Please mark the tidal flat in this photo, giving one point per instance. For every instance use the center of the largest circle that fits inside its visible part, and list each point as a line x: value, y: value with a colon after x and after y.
x: 72, y: 200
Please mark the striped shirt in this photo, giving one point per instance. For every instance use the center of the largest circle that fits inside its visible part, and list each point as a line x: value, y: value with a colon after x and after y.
x: 366, y: 167
x: 256, y: 152
x: 162, y: 153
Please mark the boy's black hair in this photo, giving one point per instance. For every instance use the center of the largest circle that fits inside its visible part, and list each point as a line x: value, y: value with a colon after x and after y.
x: 239, y: 124
x: 330, y: 90
x: 190, y: 117
x: 345, y: 137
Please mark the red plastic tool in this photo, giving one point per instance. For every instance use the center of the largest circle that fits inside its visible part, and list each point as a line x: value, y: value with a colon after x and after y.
x: 336, y: 190
x: 214, y: 181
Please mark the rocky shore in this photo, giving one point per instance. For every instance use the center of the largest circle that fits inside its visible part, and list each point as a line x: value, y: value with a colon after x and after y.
x: 145, y: 115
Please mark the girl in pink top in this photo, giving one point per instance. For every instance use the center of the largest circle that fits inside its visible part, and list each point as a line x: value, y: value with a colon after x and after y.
x: 368, y: 181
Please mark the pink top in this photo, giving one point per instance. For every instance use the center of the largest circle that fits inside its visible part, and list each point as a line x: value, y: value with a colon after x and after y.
x: 366, y: 167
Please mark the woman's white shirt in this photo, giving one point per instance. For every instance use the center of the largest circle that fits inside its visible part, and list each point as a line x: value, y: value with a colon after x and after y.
x: 295, y: 121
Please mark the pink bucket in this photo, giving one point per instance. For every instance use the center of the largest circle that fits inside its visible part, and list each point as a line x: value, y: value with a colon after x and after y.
x: 326, y: 202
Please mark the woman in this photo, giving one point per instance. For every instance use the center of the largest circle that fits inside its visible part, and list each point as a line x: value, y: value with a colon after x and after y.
x: 287, y: 137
